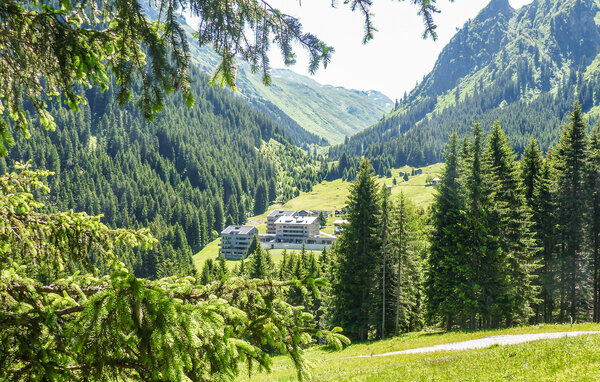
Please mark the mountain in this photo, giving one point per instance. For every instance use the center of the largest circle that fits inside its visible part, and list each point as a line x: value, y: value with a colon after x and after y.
x: 183, y: 175
x: 307, y: 111
x: 524, y: 68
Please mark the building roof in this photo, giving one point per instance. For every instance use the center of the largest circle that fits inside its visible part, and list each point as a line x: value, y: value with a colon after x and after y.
x: 239, y: 230
x: 275, y: 213
x: 437, y: 180
x: 339, y: 222
x: 299, y: 220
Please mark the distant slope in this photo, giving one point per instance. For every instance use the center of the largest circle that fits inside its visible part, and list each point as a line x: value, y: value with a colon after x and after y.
x: 298, y: 102
x: 522, y: 67
x: 183, y: 175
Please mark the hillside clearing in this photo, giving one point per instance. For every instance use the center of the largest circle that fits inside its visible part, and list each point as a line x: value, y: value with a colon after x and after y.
x: 331, y: 196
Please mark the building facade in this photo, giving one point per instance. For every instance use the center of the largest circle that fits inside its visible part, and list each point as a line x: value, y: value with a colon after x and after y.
x: 297, y: 229
x: 274, y: 216
x: 235, y: 240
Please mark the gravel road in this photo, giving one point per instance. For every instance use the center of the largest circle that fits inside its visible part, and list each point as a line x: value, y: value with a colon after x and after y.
x: 484, y: 343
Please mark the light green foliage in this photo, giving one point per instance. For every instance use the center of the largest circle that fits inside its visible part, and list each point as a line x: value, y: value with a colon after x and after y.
x: 61, y: 325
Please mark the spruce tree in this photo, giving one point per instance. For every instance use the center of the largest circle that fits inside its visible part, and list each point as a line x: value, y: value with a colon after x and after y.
x: 408, y: 248
x: 593, y: 216
x: 356, y: 258
x: 261, y: 199
x: 385, y: 292
x: 517, y: 245
x: 569, y: 167
x: 253, y: 246
x: 544, y: 219
x: 530, y: 166
x: 446, y: 267
x: 486, y: 284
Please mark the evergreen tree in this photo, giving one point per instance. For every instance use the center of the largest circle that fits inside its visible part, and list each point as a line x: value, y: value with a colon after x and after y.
x: 530, y: 166
x: 569, y: 167
x: 446, y: 266
x: 322, y: 219
x: 593, y: 216
x: 517, y: 244
x: 385, y: 292
x: 254, y: 244
x: 544, y: 219
x: 409, y: 245
x: 261, y: 199
x: 486, y: 283
x: 355, y: 267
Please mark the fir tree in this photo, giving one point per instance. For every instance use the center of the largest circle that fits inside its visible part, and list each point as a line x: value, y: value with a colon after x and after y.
x: 446, y: 266
x: 569, y: 166
x: 355, y: 267
x: 517, y: 245
x: 593, y: 216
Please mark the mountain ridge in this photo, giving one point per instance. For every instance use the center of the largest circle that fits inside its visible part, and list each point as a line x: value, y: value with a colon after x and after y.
x: 523, y: 67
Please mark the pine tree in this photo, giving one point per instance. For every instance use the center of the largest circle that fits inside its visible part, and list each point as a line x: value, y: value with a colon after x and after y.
x: 355, y: 269
x: 446, y: 272
x: 569, y: 166
x: 593, y: 216
x: 544, y: 219
x: 253, y: 246
x: 517, y: 245
x: 385, y: 289
x: 408, y: 248
x: 530, y: 166
x: 486, y: 284
x: 261, y: 199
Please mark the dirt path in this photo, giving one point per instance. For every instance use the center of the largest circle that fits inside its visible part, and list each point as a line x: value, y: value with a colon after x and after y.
x: 483, y: 343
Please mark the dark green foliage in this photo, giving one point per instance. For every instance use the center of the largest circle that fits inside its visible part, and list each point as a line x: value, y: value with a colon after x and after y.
x: 261, y: 198
x: 569, y: 163
x: 172, y: 172
x: 355, y: 270
x: 254, y: 244
x: 444, y: 272
x: 482, y: 264
x: 322, y: 219
x: 593, y: 216
x: 259, y: 264
x: 497, y: 67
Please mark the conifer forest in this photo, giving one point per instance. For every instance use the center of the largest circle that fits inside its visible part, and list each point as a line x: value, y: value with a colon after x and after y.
x: 131, y: 140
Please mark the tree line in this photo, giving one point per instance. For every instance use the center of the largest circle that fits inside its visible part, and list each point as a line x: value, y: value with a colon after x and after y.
x: 516, y: 241
x: 185, y: 175
x: 508, y: 241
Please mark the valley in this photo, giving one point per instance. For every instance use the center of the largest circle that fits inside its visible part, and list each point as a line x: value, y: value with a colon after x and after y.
x: 331, y: 196
x: 154, y: 162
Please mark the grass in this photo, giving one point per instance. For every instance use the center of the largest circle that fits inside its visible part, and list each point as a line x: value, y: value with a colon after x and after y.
x: 211, y: 251
x: 565, y: 359
x: 331, y: 196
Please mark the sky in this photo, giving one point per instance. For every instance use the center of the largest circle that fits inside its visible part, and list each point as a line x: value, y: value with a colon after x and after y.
x: 394, y: 60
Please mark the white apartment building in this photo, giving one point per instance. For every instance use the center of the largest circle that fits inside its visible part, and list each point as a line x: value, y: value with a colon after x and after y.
x: 274, y: 216
x: 235, y: 240
x: 297, y: 229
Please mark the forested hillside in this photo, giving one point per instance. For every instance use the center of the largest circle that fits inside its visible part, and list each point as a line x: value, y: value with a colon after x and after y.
x: 310, y: 113
x: 184, y: 175
x: 524, y: 68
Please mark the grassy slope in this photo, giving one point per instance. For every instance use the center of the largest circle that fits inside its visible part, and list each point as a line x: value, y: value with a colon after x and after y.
x: 330, y: 112
x: 568, y: 359
x: 330, y: 196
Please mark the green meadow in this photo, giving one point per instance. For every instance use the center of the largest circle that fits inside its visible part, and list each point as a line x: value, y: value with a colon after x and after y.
x: 564, y: 359
x: 331, y: 196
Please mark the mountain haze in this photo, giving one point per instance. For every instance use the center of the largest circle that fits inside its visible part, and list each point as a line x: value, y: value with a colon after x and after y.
x: 522, y: 67
x: 307, y: 111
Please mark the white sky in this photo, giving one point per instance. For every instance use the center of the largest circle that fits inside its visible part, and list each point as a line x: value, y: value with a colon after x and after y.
x: 395, y: 59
